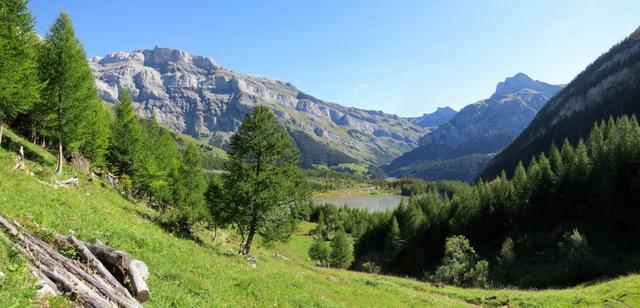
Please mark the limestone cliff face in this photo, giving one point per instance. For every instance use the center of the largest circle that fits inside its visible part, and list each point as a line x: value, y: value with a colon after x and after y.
x: 194, y: 95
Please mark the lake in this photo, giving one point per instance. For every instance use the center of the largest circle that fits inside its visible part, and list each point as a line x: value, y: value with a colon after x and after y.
x: 374, y: 203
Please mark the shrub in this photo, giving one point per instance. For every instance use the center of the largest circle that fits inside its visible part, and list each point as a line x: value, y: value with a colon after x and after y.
x: 507, y: 255
x: 319, y: 251
x: 341, y: 254
x: 460, y: 265
x: 371, y: 267
x: 576, y: 251
x: 574, y: 247
x: 477, y: 276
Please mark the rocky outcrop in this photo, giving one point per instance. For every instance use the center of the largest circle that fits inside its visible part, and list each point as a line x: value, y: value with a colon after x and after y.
x: 483, y: 127
x: 194, y: 95
x: 440, y: 116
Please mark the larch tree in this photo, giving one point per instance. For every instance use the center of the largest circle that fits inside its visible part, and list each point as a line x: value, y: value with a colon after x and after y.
x: 19, y: 83
x: 70, y: 89
x: 157, y: 158
x: 189, y: 188
x: 264, y: 181
x: 341, y: 255
x: 126, y: 137
x: 95, y: 131
x: 394, y: 239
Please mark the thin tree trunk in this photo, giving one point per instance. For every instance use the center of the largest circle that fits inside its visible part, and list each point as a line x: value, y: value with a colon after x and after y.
x: 254, y: 218
x: 252, y: 233
x: 60, y: 158
x: 60, y: 130
x: 1, y: 131
x: 215, y: 232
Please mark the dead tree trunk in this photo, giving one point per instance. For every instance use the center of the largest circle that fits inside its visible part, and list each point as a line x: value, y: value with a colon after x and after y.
x: 135, y: 270
x: 60, y: 158
x: 91, y: 259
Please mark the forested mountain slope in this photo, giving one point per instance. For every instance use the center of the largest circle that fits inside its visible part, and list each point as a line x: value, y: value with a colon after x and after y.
x: 610, y: 86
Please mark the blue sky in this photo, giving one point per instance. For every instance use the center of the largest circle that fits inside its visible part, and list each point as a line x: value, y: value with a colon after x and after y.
x: 403, y: 57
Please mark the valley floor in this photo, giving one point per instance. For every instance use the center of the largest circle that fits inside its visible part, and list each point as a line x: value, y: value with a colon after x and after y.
x: 188, y: 273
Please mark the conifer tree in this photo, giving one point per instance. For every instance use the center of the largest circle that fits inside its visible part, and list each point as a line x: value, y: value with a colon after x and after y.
x: 567, y: 153
x: 319, y: 251
x: 555, y: 158
x: 70, y: 87
x: 394, y: 239
x: 95, y: 134
x: 341, y: 254
x: 126, y: 136
x: 264, y: 180
x: 19, y: 83
x: 189, y: 187
x: 156, y: 157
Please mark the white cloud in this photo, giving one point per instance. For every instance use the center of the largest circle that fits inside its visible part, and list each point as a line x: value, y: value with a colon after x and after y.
x: 359, y: 87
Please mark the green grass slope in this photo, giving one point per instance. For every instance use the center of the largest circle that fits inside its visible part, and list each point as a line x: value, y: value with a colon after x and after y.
x: 185, y: 273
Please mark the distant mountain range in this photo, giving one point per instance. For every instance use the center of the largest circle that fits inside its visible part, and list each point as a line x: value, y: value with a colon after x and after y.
x: 610, y: 86
x: 194, y: 95
x: 440, y: 116
x: 459, y: 148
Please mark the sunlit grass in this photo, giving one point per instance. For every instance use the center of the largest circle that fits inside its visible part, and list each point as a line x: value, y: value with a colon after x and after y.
x: 211, y: 274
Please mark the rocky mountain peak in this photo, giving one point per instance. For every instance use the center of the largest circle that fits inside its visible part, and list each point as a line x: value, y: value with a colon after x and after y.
x: 520, y: 82
x: 436, y: 118
x: 162, y: 57
x: 446, y: 109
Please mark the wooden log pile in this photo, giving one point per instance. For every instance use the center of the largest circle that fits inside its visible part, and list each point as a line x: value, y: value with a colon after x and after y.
x: 102, y: 278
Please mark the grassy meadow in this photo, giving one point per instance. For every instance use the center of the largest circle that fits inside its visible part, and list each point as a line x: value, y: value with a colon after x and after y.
x: 202, y: 273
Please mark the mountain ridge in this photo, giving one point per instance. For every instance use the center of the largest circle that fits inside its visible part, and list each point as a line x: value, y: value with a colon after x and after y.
x: 195, y: 95
x: 440, y: 116
x: 483, y: 127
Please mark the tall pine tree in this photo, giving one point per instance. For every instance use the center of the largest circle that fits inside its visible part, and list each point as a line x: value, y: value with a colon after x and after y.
x: 19, y: 84
x: 94, y: 134
x: 70, y: 88
x: 126, y: 137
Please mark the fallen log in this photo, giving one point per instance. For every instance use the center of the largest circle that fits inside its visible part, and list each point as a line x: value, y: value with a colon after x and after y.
x: 91, y: 259
x: 88, y: 288
x: 55, y: 258
x: 76, y: 288
x: 137, y: 282
x: 33, y: 269
x: 71, y: 182
x: 136, y: 270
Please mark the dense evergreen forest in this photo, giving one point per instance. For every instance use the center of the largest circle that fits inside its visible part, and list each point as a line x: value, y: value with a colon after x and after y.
x: 565, y: 218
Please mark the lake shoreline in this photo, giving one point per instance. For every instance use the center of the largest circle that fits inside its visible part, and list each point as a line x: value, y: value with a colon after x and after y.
x: 374, y: 201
